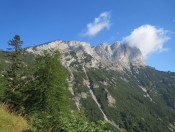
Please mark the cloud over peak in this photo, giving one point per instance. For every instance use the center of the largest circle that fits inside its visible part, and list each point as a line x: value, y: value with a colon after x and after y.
x: 148, y: 39
x: 101, y: 22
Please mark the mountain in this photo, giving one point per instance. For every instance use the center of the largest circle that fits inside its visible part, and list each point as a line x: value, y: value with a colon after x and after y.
x: 116, y: 55
x: 111, y: 82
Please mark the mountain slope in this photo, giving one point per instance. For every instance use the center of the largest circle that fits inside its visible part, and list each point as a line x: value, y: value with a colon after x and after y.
x: 113, y: 81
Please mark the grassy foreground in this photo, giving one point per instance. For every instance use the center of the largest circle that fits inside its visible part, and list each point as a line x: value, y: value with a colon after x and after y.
x: 10, y: 122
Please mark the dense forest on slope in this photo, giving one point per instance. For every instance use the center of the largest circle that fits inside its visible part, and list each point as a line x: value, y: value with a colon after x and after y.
x: 136, y: 109
x: 141, y: 99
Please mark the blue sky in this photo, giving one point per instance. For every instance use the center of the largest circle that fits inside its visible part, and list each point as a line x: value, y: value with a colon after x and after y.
x: 95, y: 21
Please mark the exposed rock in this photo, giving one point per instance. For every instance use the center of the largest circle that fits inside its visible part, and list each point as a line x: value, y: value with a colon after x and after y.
x: 77, y: 102
x: 105, y: 83
x: 96, y: 86
x: 120, y: 54
x: 83, y: 95
x: 111, y: 100
x: 117, y: 56
x: 85, y: 82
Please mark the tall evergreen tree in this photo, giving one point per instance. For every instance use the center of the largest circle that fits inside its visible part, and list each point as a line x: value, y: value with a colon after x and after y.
x: 13, y: 75
x: 2, y: 85
x: 49, y: 88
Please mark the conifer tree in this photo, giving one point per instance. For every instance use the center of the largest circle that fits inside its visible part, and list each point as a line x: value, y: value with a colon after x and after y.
x: 2, y: 85
x: 13, y: 74
x: 49, y: 89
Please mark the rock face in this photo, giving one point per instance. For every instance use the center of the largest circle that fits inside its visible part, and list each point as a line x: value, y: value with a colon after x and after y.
x: 62, y: 46
x: 116, y: 56
x: 119, y: 53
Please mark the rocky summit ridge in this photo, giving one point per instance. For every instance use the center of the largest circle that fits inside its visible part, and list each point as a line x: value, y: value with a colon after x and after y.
x: 114, y: 56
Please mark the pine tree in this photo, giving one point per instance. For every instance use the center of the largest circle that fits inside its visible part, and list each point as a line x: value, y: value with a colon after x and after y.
x: 2, y: 85
x: 13, y: 74
x: 49, y: 88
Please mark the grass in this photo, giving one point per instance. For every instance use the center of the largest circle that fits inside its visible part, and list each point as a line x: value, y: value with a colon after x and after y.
x: 10, y: 122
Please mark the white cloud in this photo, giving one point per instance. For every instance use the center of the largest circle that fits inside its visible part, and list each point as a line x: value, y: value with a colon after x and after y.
x: 148, y: 39
x: 99, y: 23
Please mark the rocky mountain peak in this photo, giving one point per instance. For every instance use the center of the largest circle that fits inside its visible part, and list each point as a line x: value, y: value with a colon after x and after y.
x: 80, y: 46
x: 118, y: 54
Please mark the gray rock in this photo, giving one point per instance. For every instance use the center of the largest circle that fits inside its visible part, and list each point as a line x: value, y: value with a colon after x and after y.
x: 116, y: 56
